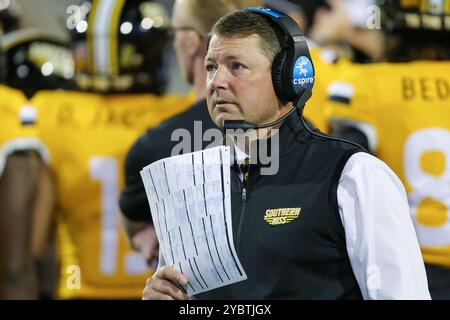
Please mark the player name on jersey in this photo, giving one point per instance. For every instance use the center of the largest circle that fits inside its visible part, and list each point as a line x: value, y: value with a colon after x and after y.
x: 426, y: 88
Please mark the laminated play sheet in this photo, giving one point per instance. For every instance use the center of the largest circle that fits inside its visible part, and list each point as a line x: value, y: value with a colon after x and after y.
x: 189, y: 197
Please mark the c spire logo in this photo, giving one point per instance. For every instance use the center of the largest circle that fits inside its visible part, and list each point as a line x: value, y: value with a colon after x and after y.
x: 301, y: 66
x: 303, y: 74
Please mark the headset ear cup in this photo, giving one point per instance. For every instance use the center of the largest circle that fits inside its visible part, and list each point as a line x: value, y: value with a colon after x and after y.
x: 277, y: 75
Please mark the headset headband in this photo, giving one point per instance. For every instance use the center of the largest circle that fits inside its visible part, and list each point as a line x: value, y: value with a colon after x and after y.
x: 284, y: 22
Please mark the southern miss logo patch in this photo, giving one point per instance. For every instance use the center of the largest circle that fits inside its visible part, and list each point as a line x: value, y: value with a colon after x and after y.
x: 279, y: 216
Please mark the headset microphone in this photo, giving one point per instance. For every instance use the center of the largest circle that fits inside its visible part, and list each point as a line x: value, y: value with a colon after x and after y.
x: 305, y: 94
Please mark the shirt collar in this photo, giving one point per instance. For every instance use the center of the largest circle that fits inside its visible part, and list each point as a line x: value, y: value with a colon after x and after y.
x: 239, y: 155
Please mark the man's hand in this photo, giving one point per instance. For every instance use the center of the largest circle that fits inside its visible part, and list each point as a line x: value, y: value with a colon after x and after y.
x: 146, y: 242
x: 332, y: 25
x: 161, y: 286
x: 142, y: 238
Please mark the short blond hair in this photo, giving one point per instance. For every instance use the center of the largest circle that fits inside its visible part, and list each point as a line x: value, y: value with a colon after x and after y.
x: 205, y: 13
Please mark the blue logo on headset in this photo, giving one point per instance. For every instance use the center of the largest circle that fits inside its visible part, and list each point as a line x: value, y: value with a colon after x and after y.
x: 303, y: 74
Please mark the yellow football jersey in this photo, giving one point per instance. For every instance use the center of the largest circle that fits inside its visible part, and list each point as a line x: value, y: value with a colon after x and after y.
x: 404, y: 109
x: 88, y: 137
x: 326, y: 69
x: 18, y: 125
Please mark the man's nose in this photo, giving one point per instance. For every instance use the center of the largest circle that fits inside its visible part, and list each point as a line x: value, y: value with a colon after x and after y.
x: 219, y: 79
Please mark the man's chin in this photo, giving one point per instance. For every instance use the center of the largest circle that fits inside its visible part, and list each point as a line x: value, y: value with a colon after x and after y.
x: 221, y: 118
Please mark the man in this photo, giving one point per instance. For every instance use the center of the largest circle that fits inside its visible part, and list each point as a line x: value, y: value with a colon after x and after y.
x: 352, y: 28
x: 402, y: 114
x: 19, y: 167
x: 352, y: 237
x: 191, y: 22
x: 25, y: 182
x: 121, y: 82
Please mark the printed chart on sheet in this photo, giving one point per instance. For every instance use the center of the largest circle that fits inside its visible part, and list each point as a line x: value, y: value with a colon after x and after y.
x: 189, y: 197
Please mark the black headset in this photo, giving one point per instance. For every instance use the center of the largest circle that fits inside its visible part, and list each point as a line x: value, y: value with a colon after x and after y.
x: 292, y: 73
x: 292, y: 67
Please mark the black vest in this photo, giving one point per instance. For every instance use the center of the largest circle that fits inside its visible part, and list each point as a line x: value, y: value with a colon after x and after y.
x: 305, y: 258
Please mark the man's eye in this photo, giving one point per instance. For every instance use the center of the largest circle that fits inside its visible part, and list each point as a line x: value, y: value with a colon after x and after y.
x: 237, y: 66
x: 210, y: 67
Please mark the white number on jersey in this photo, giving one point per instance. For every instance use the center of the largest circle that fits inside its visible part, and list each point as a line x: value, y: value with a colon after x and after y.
x: 426, y: 186
x: 105, y: 170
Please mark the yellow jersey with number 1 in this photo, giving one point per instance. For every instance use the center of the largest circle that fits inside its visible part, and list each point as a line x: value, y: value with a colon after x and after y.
x: 88, y: 136
x: 404, y: 109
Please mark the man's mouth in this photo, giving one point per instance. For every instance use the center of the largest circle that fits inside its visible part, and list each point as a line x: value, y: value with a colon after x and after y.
x: 219, y: 103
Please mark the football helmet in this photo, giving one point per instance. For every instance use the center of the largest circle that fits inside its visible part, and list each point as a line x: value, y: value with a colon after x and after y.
x: 9, y: 16
x: 35, y: 60
x: 120, y: 46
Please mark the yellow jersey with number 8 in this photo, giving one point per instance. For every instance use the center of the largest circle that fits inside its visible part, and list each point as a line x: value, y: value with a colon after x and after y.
x: 404, y: 109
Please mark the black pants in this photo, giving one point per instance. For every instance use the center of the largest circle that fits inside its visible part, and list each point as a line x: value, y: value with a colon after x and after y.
x: 438, y: 282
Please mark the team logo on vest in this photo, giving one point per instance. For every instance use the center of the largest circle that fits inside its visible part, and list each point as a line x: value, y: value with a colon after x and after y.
x: 303, y: 74
x: 279, y: 216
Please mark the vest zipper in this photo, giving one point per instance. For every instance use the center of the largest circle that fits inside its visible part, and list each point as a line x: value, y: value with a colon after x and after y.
x: 243, y: 207
x: 241, y: 217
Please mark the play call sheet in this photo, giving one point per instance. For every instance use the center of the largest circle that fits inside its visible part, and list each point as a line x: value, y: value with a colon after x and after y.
x: 189, y: 197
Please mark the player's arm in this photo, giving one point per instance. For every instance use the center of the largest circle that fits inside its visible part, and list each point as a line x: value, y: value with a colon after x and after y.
x: 134, y: 206
x: 43, y: 211
x: 142, y: 238
x: 43, y: 244
x: 17, y: 189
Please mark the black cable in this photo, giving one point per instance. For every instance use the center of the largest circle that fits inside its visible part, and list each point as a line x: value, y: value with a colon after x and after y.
x: 320, y: 135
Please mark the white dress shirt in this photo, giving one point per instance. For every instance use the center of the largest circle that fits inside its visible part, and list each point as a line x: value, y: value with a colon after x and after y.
x: 381, y: 241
